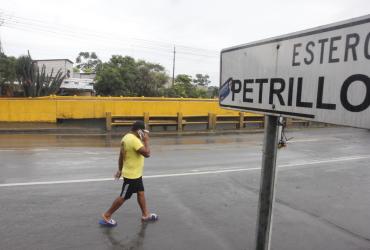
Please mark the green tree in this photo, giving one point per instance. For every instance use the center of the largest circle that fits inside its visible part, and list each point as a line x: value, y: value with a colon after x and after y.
x: 183, y: 87
x: 88, y: 62
x: 127, y: 77
x: 183, y: 79
x: 7, y: 70
x: 212, y: 92
x: 201, y: 80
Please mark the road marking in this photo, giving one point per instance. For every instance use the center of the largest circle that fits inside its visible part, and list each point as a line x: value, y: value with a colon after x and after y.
x: 53, y: 182
x: 339, y: 159
x: 313, y: 139
x: 220, y: 171
x: 305, y: 140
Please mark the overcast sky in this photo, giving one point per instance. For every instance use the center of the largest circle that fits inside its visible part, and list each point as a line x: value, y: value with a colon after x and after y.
x: 149, y: 29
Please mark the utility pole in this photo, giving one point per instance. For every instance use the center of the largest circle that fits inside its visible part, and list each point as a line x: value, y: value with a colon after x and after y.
x: 173, y: 66
x: 1, y: 23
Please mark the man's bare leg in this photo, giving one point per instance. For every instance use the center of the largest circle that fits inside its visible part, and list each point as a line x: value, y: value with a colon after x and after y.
x: 142, y: 203
x: 117, y: 203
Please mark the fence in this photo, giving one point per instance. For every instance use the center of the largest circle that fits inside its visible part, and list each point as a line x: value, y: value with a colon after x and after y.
x: 211, y: 120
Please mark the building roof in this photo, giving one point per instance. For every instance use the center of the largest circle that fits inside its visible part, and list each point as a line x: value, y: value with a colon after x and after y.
x: 41, y: 60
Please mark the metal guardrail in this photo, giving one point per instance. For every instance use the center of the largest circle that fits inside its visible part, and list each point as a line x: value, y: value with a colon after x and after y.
x: 211, y: 120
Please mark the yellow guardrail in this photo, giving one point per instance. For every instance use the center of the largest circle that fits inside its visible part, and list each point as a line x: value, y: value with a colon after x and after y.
x: 238, y: 120
x: 51, y: 108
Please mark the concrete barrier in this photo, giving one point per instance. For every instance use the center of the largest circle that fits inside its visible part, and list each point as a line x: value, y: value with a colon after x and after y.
x: 27, y: 110
x: 52, y: 108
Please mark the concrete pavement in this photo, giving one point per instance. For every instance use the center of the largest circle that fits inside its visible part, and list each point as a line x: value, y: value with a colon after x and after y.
x: 204, y: 188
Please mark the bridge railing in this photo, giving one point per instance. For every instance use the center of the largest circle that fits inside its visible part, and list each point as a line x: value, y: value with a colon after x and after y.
x: 210, y: 120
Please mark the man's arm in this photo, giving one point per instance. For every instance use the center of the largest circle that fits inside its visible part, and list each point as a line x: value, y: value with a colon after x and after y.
x: 145, y: 150
x: 121, y: 160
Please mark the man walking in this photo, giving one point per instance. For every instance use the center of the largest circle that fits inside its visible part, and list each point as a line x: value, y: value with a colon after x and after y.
x: 134, y: 147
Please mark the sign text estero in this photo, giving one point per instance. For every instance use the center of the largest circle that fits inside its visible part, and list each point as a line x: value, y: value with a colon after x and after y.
x: 321, y: 51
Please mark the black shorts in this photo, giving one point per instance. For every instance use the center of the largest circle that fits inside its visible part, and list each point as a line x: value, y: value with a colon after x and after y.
x: 131, y: 186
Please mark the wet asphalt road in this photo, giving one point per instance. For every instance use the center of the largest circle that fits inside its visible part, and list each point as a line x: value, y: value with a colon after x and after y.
x: 204, y: 188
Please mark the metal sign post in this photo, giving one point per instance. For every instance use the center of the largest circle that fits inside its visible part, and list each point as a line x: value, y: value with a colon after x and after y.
x: 267, y: 190
x: 321, y: 74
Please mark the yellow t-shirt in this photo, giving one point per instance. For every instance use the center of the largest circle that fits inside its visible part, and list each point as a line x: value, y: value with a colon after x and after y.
x: 134, y: 161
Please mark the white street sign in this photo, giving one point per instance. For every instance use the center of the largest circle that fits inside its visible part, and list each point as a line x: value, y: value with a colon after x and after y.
x: 320, y: 74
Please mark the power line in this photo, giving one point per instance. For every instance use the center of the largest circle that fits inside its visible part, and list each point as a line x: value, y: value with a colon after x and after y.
x: 186, y: 53
x: 106, y: 40
x: 26, y: 23
x: 129, y: 47
x: 42, y: 23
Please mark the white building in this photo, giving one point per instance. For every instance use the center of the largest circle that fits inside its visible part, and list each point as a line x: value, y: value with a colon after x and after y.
x: 81, y: 84
x: 77, y: 86
x: 54, y: 65
x: 84, y: 75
